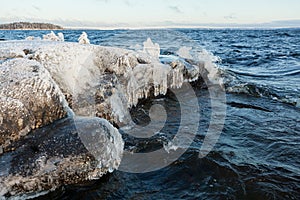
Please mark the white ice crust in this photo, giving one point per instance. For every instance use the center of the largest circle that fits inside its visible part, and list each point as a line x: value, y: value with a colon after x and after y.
x: 78, y: 69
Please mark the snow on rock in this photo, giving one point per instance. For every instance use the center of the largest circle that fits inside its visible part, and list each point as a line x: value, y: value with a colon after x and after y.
x: 29, y: 99
x: 83, y: 39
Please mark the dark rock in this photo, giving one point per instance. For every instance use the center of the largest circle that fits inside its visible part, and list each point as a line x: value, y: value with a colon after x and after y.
x: 69, y: 151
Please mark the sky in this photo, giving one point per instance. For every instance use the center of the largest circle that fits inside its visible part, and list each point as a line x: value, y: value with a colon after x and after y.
x: 154, y: 13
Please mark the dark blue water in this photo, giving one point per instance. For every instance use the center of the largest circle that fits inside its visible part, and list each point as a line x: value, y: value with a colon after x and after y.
x: 257, y: 155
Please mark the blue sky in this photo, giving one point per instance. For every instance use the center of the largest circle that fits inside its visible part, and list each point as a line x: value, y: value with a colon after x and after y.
x: 154, y: 13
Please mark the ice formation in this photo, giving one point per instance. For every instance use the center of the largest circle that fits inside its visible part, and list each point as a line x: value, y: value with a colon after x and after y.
x: 83, y: 39
x: 184, y: 52
x: 151, y: 48
x: 52, y: 37
x: 49, y: 37
x: 118, y: 77
x: 61, y: 37
x: 91, y: 81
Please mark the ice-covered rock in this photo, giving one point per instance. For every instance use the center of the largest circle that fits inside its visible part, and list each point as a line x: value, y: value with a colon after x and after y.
x: 9, y: 53
x: 72, y: 151
x: 29, y: 99
x: 106, y: 81
x: 42, y: 80
x: 83, y: 39
x: 52, y: 37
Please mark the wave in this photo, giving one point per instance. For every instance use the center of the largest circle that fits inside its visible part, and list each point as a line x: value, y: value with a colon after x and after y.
x: 266, y: 84
x: 255, y: 90
x: 278, y: 73
x: 243, y: 105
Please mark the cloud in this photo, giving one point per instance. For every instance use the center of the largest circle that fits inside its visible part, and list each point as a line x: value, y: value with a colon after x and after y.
x: 105, y: 1
x: 272, y: 24
x: 175, y: 9
x: 87, y: 24
x: 128, y: 3
x: 36, y: 8
x: 230, y: 17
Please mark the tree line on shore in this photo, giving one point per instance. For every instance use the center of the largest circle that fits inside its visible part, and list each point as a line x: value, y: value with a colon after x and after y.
x: 27, y: 25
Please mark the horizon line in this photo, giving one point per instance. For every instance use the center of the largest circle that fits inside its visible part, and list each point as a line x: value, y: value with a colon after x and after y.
x: 174, y: 27
x: 171, y: 25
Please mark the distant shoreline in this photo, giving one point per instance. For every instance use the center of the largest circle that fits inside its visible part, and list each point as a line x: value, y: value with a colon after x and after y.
x: 30, y: 26
x: 35, y: 29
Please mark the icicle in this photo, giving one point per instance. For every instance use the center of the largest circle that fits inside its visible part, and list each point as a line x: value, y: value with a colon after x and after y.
x: 160, y: 78
x: 132, y: 88
x: 177, y: 78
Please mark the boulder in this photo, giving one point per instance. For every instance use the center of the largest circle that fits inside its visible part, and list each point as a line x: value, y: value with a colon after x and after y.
x: 73, y: 151
x: 29, y: 99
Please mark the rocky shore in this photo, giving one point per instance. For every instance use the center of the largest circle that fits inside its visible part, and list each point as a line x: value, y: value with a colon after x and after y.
x: 62, y: 102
